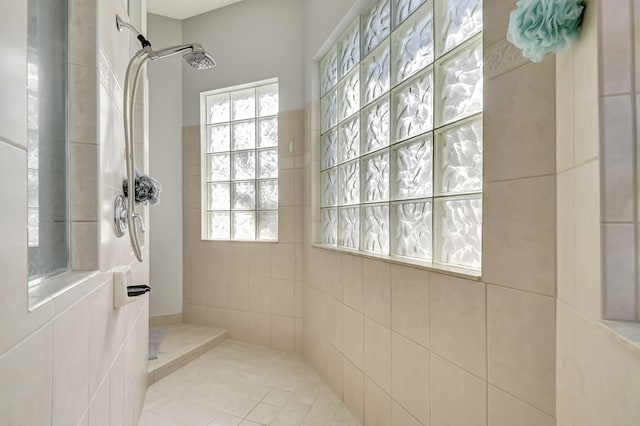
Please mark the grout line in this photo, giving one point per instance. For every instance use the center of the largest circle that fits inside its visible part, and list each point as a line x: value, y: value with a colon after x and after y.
x: 600, y: 162
x: 391, y: 339
x: 487, y: 283
x: 13, y: 144
x: 632, y: 92
x: 618, y: 222
x: 431, y: 354
x: 364, y: 317
x: 550, y: 174
x: 586, y: 162
x: 634, y: 112
x: 454, y: 363
x: 486, y: 346
x: 521, y: 400
x: 52, y: 372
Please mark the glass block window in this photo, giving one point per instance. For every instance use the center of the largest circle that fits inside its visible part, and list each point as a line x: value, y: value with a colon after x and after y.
x: 401, y: 133
x: 239, y: 146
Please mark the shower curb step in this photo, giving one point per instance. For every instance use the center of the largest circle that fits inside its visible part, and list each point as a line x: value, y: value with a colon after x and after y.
x: 167, y: 363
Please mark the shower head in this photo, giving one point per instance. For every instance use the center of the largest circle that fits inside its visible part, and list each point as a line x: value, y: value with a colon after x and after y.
x: 199, y: 59
x: 194, y: 55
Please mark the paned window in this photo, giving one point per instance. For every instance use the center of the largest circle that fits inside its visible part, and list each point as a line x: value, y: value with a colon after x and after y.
x: 401, y: 133
x: 240, y: 162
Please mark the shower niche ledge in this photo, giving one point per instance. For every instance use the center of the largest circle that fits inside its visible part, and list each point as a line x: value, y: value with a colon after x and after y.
x: 41, y: 292
x: 626, y: 333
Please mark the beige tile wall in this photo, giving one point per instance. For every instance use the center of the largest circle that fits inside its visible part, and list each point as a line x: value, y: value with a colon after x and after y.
x: 598, y: 375
x: 252, y: 289
x: 58, y: 362
x: 424, y: 348
x: 75, y: 360
x: 448, y: 340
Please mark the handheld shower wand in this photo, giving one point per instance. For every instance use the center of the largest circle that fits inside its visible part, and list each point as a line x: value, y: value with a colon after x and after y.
x: 125, y: 215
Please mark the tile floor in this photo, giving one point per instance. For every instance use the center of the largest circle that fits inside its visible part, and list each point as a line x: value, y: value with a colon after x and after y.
x: 241, y: 384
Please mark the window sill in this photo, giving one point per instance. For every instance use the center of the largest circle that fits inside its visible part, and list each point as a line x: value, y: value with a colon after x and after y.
x: 48, y: 290
x: 626, y: 333
x: 208, y: 240
x: 468, y: 274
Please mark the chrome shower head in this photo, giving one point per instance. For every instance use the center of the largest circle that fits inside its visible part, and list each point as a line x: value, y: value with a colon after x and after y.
x: 199, y: 60
x: 194, y: 54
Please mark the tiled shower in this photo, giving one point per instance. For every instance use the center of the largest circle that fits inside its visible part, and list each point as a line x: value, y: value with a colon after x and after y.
x: 400, y: 344
x: 377, y: 340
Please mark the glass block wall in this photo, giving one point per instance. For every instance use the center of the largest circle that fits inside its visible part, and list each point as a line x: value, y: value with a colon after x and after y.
x: 401, y: 133
x: 240, y: 163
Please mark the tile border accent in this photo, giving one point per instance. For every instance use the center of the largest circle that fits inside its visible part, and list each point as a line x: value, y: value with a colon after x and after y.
x: 109, y: 79
x: 500, y: 58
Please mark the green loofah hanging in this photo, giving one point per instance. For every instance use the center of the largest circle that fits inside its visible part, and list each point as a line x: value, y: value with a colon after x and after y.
x: 538, y: 27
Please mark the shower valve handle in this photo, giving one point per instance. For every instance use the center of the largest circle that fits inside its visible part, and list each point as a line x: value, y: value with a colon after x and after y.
x: 138, y: 218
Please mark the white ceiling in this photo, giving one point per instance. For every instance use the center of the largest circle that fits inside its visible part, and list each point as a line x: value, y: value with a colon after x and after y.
x: 183, y: 9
